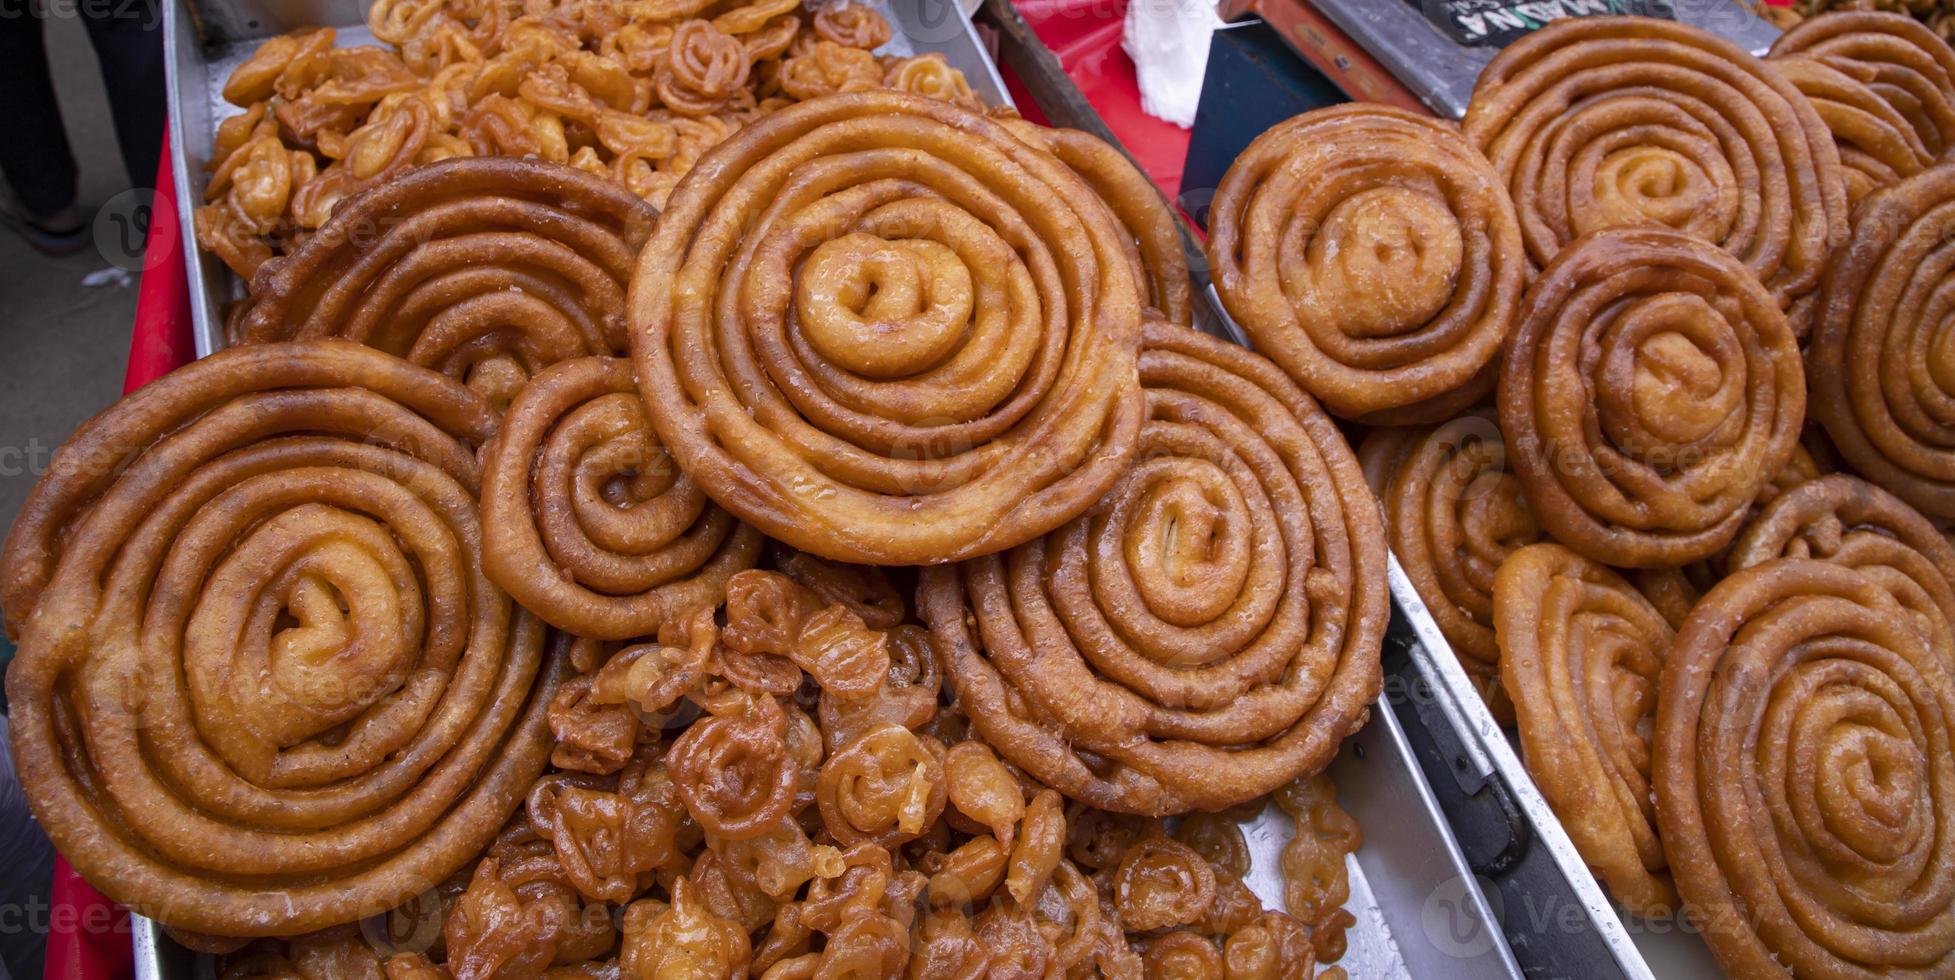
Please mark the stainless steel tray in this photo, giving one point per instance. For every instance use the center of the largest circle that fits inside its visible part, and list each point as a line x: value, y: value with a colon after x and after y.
x: 1418, y: 912
x: 204, y: 40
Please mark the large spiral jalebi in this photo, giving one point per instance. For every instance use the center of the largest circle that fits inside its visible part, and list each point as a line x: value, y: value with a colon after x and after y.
x: 1880, y: 362
x: 263, y: 684
x: 883, y: 329
x: 1373, y: 254
x: 486, y: 269
x: 1649, y: 393
x: 1205, y: 634
x: 1601, y: 122
x: 1805, y: 777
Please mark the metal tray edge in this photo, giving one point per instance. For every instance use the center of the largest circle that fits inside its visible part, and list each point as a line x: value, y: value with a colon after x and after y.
x: 1462, y: 705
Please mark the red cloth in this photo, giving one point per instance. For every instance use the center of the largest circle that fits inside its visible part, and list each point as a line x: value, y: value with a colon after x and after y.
x: 1085, y: 34
x: 161, y: 341
x: 88, y: 935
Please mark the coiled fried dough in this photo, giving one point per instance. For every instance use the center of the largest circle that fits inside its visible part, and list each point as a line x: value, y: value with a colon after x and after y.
x: 1375, y: 256
x: 1602, y: 122
x: 1649, y: 393
x: 263, y: 684
x: 883, y: 329
x: 1207, y: 633
x: 1805, y: 779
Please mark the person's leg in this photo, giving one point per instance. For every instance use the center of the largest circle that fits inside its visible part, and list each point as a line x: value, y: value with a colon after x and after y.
x: 128, y: 39
x: 34, y: 154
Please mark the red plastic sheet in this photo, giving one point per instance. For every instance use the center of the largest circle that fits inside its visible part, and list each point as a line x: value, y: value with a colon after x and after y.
x: 1085, y: 34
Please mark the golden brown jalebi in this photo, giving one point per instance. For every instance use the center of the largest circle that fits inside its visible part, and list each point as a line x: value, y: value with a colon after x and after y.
x: 882, y: 329
x: 703, y: 69
x: 1899, y: 58
x: 1162, y: 883
x: 520, y: 913
x: 928, y: 74
x: 487, y: 270
x: 1649, y: 393
x: 1880, y: 362
x: 263, y: 684
x: 588, y: 523
x: 851, y: 25
x: 1316, y: 870
x: 1205, y: 634
x: 1877, y: 146
x: 1373, y: 254
x: 1603, y: 122
x: 1159, y: 260
x: 1581, y: 653
x: 827, y: 68
x: 627, y: 90
x: 1805, y: 780
x: 1850, y: 522
x: 1455, y: 511
x: 1274, y: 947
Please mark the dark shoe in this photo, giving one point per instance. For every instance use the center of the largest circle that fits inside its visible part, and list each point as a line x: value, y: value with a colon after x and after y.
x: 61, y: 232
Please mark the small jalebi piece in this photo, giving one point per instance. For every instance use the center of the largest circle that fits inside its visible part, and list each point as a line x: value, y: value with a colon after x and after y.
x: 1315, y: 862
x: 851, y: 25
x: 928, y: 74
x: 702, y: 70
